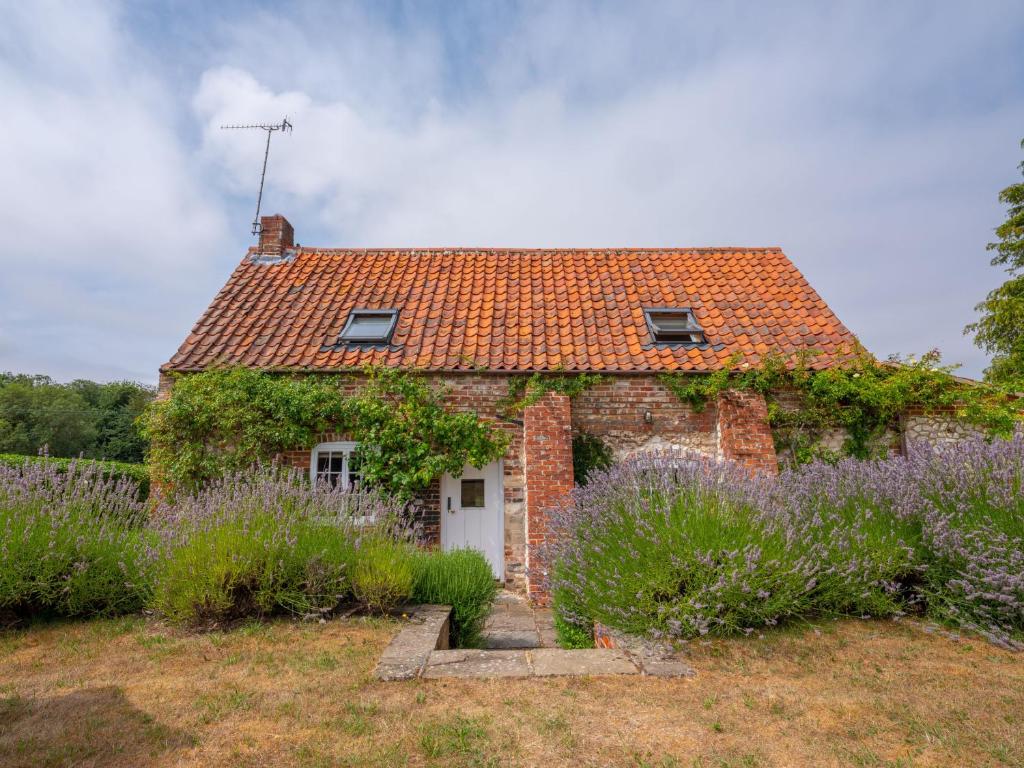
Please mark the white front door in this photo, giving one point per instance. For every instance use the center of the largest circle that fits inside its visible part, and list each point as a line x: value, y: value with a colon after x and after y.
x: 473, y: 513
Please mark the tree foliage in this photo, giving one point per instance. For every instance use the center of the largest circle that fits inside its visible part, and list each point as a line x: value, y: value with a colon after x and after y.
x: 82, y: 418
x: 1000, y: 330
x: 226, y: 419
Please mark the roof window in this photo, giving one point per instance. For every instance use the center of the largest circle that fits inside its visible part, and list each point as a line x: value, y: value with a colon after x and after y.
x: 673, y: 326
x: 369, y: 326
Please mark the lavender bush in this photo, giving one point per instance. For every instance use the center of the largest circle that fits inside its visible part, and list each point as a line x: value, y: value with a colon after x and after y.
x: 262, y: 542
x: 972, y: 512
x: 685, y: 546
x: 71, y: 542
x: 856, y: 524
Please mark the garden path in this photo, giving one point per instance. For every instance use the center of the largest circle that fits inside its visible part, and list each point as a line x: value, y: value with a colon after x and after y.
x: 515, y: 624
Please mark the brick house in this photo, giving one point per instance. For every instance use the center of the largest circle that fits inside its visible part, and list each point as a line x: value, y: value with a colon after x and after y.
x: 475, y: 318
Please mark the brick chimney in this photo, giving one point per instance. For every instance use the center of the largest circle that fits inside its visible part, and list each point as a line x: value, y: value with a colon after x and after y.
x: 276, y: 234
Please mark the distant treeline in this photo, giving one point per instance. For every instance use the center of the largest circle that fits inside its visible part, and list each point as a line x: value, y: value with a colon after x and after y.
x: 82, y: 418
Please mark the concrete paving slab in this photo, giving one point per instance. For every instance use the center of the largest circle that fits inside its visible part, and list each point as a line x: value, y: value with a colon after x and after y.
x: 389, y: 671
x: 511, y: 623
x: 546, y: 628
x: 477, y: 663
x: 587, y: 661
x: 407, y: 653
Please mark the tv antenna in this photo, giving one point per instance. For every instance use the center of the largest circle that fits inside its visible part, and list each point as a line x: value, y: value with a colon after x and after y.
x: 283, y: 126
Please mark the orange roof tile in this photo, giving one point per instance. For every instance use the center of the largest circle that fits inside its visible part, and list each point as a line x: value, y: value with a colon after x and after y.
x: 512, y: 310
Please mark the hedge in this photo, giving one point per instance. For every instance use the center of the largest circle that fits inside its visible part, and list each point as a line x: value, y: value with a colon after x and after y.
x: 137, y: 473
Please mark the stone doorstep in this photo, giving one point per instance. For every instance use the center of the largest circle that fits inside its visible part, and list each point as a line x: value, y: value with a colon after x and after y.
x: 510, y: 639
x: 546, y: 628
x: 547, y: 662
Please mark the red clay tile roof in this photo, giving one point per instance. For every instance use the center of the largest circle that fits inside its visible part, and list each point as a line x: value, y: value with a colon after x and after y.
x: 512, y: 310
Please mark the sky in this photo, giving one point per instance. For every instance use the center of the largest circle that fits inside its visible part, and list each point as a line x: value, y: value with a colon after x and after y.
x: 868, y: 139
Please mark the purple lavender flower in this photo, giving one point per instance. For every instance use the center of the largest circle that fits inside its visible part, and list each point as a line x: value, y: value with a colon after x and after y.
x: 678, y: 544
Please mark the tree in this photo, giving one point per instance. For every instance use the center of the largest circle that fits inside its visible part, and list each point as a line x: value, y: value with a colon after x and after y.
x: 38, y: 413
x: 116, y: 406
x: 1000, y: 330
x: 82, y: 418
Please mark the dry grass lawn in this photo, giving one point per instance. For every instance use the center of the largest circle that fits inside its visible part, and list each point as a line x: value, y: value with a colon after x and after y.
x: 132, y: 692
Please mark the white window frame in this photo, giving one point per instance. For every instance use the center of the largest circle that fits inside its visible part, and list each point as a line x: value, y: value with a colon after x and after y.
x: 345, y: 447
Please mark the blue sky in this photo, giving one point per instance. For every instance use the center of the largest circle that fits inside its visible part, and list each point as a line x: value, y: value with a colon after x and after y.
x: 869, y: 140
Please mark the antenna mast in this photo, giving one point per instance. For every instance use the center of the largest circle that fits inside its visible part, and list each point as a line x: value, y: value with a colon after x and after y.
x: 269, y: 128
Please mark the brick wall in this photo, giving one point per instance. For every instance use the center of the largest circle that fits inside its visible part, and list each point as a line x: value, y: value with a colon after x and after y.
x: 164, y: 385
x: 481, y: 394
x: 613, y: 410
x: 638, y: 413
x: 538, y: 462
x: 547, y: 430
x: 743, y: 431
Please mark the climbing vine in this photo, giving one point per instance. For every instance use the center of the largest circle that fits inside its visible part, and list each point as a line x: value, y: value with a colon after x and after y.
x: 229, y: 418
x: 524, y: 391
x: 862, y: 396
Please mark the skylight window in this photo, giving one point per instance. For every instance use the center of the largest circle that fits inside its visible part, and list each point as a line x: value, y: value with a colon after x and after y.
x: 674, y: 326
x: 369, y: 326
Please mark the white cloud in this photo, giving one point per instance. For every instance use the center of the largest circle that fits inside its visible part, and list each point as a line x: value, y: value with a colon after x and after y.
x: 106, y: 227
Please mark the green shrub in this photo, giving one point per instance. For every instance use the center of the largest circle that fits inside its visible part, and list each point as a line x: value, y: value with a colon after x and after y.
x: 382, y: 577
x: 463, y: 579
x: 589, y: 453
x: 70, y: 541
x: 253, y: 567
x: 685, y: 546
x: 259, y: 543
x: 572, y: 635
x: 138, y: 474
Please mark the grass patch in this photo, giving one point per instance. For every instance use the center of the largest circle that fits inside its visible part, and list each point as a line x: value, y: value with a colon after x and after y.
x: 459, y: 740
x: 570, y: 634
x: 862, y: 690
x: 214, y: 707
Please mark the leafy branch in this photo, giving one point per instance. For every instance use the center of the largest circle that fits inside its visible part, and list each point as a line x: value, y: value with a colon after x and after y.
x: 526, y: 391
x: 861, y: 396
